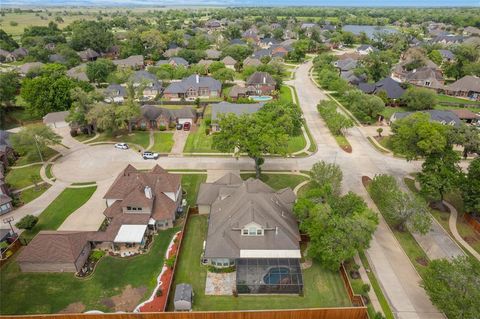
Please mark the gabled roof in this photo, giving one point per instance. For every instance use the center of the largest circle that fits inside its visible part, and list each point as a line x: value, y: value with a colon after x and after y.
x: 178, y: 61
x: 88, y: 54
x: 213, y: 54
x: 228, y: 60
x: 132, y: 61
x: 194, y: 81
x: 387, y: 85
x: 468, y: 83
x: 29, y: 66
x: 115, y: 90
x: 251, y: 201
x: 447, y: 54
x: 54, y: 246
x: 152, y: 112
x: 251, y: 62
x: 444, y: 117
x: 261, y: 78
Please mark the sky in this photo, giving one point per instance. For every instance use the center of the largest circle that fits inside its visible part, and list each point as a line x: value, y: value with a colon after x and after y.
x: 348, y: 3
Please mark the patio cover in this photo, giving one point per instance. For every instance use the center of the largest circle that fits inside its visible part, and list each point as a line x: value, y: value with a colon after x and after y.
x: 130, y: 234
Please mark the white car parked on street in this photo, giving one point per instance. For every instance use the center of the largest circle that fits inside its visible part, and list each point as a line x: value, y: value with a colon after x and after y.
x: 122, y: 146
x: 150, y: 155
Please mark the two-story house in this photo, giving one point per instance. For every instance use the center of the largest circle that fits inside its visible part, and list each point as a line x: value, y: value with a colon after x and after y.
x: 260, y: 83
x: 193, y: 87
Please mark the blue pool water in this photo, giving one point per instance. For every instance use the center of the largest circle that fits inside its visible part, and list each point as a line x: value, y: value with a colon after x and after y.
x: 262, y: 98
x: 274, y: 275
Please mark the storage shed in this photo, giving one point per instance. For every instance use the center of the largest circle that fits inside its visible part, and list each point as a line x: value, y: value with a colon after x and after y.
x: 183, y: 299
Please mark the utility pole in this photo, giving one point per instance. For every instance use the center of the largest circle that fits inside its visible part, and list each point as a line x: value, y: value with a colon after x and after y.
x: 9, y: 221
x: 38, y: 148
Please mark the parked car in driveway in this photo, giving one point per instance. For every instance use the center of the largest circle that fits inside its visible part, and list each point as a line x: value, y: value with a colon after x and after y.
x: 150, y: 155
x: 186, y: 126
x: 122, y: 146
x: 179, y: 126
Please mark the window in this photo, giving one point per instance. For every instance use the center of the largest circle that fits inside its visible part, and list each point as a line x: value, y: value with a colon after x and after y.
x: 259, y: 232
x: 244, y: 231
x: 427, y: 83
x: 252, y: 231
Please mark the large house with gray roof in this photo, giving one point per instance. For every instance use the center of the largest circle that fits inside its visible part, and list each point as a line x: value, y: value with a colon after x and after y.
x: 252, y: 227
x: 154, y: 117
x: 193, y: 87
x: 224, y: 108
x: 440, y: 116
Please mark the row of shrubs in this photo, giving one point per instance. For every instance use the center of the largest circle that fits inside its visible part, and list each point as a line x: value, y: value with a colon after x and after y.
x: 336, y: 122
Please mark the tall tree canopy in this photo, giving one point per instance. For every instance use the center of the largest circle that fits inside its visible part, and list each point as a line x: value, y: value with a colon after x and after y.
x: 33, y: 139
x: 471, y: 188
x: 91, y: 34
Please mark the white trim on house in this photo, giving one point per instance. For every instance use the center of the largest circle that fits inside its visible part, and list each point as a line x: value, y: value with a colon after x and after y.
x: 259, y: 253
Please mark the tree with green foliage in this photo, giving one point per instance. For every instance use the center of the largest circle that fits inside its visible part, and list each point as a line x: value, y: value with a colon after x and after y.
x: 34, y: 139
x: 9, y: 85
x: 215, y: 66
x: 93, y: 35
x: 82, y: 103
x: 192, y: 56
x: 323, y: 173
x: 416, y: 136
x: 436, y: 57
x: 98, y: 71
x: 440, y: 174
x: 454, y: 286
x: 224, y: 75
x: 130, y: 109
x: 378, y: 64
x: 417, y: 99
x: 337, y: 123
x: 103, y: 117
x: 471, y: 188
x: 7, y: 42
x: 27, y: 222
x: 469, y: 137
x: 49, y: 92
x: 403, y: 210
x: 365, y: 107
x: 237, y: 51
x: 285, y: 114
x: 250, y: 134
x: 338, y: 226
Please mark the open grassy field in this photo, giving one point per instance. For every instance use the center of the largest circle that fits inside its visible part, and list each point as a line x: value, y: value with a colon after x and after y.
x: 55, y: 214
x: 30, y: 293
x: 323, y: 288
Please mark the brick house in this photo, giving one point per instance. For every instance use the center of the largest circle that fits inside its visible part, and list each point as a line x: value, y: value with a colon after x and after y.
x: 153, y: 117
x: 261, y: 83
x: 192, y: 87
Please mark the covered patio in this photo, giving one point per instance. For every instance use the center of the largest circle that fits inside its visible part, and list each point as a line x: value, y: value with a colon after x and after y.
x: 130, y: 240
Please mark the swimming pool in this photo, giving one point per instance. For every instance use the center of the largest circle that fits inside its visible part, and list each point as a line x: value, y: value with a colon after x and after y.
x: 274, y: 275
x: 262, y: 98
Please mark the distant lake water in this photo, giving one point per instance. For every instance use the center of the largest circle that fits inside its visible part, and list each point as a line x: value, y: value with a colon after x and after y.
x: 369, y: 30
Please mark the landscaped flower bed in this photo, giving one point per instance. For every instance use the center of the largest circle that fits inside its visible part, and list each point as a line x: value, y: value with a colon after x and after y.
x: 158, y: 300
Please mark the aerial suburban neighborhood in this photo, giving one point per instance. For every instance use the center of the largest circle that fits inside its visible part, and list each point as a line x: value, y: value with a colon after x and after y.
x: 204, y: 161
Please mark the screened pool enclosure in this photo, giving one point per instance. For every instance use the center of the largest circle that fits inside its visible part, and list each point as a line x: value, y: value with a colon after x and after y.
x: 269, y: 276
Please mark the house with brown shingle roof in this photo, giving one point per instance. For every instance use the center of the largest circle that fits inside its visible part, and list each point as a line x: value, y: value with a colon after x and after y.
x: 466, y: 87
x: 229, y: 62
x: 55, y: 251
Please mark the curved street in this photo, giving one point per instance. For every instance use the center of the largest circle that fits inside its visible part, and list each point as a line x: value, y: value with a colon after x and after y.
x: 396, y: 274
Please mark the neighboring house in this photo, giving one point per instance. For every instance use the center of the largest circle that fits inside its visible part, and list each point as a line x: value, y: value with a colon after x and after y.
x: 251, y: 62
x: 193, y: 87
x: 229, y: 62
x: 392, y: 88
x: 171, y: 52
x: 183, y: 298
x: 251, y: 34
x: 426, y: 77
x: 213, y: 24
x: 154, y: 117
x: 6, y: 202
x: 231, y: 108
x: 115, y: 93
x: 88, y: 55
x: 206, y: 63
x: 447, y: 55
x: 262, y: 83
x: 78, y: 73
x: 471, y: 31
x: 152, y: 86
x: 308, y: 25
x: 279, y: 51
x: 6, y: 155
x: 346, y: 64
x: 174, y: 61
x: 237, y: 91
x: 55, y: 251
x: 213, y: 54
x: 467, y: 116
x: 448, y: 39
x: 443, y: 117
x: 252, y: 227
x: 56, y: 119
x: 467, y: 87
x: 261, y: 53
x: 151, y: 196
x: 351, y: 78
x: 6, y: 150
x: 237, y: 41
x: 134, y: 62
x: 266, y: 43
x: 365, y: 49
x: 57, y: 58
x: 19, y: 53
x: 25, y: 68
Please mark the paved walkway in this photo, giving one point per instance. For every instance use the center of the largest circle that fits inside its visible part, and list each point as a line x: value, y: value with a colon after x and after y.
x: 151, y: 140
x: 452, y: 223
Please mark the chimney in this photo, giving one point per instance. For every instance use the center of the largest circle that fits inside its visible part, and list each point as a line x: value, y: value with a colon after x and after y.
x: 197, y: 78
x: 148, y: 192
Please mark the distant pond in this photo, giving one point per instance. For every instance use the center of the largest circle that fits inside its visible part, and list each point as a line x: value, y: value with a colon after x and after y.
x: 369, y: 30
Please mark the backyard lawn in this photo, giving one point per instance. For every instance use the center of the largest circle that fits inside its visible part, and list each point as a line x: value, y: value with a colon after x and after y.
x: 278, y: 181
x: 322, y: 288
x: 191, y: 184
x: 29, y: 293
x: 55, y: 214
x: 163, y: 142
x: 22, y: 177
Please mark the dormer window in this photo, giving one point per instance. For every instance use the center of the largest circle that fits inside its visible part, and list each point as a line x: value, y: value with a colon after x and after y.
x: 131, y: 209
x: 252, y: 231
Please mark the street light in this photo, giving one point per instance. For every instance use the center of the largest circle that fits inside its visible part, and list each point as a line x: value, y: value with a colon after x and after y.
x: 9, y: 221
x: 38, y: 148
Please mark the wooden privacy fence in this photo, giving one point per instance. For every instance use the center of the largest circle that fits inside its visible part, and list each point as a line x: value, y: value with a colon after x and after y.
x: 473, y: 222
x: 10, y: 251
x: 321, y: 313
x: 356, y: 300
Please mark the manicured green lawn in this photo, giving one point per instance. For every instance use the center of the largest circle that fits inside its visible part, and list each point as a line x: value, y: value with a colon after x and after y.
x: 453, y: 99
x: 285, y: 94
x: 388, y: 111
x: 55, y: 214
x: 48, y: 171
x: 17, y: 116
x: 278, y: 181
x: 296, y: 143
x: 322, y: 288
x: 30, y: 194
x: 28, y: 293
x: 198, y: 141
x: 191, y: 184
x: 47, y: 154
x: 163, y: 142
x: 22, y: 177
x: 141, y: 138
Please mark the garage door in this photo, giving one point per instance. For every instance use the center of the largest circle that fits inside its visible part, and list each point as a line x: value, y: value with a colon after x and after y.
x: 184, y: 120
